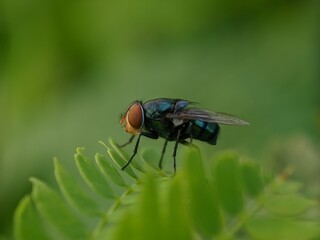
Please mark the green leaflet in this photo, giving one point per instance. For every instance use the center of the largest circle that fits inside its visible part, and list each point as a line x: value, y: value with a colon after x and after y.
x: 109, y: 170
x: 56, y: 212
x: 288, y: 204
x: 92, y: 176
x: 27, y: 222
x: 71, y: 190
x: 203, y: 205
x: 151, y: 157
x: 149, y: 207
x: 266, y: 228
x: 226, y: 172
x: 177, y: 212
x: 251, y: 178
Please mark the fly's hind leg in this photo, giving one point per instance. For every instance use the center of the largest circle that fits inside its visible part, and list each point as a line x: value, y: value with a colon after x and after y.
x: 162, y: 153
x: 175, y: 151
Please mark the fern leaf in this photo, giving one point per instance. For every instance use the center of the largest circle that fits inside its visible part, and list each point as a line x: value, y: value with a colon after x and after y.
x: 231, y: 200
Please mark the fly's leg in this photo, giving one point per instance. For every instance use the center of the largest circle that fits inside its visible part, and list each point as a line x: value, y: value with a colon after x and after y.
x: 175, y: 151
x: 134, y: 152
x: 127, y: 143
x: 146, y: 134
x: 162, y: 153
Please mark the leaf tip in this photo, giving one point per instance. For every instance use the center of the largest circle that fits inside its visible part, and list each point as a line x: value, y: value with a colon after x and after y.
x: 103, y: 144
x: 56, y: 161
x: 80, y: 150
x: 33, y: 180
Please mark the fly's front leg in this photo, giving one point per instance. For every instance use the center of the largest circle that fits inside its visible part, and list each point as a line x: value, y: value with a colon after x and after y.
x: 134, y: 153
x: 146, y: 134
x: 127, y: 143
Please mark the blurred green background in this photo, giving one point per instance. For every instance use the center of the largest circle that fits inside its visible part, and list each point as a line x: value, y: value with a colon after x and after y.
x: 69, y: 68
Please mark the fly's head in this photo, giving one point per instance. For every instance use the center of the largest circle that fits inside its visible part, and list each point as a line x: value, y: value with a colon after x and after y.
x: 132, y: 121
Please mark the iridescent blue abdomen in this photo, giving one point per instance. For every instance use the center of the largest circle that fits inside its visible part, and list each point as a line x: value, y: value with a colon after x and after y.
x: 204, y: 131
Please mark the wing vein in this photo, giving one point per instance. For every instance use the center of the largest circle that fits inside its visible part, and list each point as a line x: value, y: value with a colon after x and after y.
x: 207, y: 116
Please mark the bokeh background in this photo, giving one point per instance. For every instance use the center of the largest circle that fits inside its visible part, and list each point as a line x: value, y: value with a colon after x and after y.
x: 69, y: 68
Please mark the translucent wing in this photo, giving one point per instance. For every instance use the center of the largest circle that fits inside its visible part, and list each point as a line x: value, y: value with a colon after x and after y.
x: 206, y: 116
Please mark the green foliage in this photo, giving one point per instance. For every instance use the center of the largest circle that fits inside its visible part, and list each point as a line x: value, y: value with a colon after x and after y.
x: 233, y: 200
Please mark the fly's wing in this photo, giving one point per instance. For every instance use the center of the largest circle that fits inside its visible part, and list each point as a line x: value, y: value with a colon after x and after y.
x: 206, y: 116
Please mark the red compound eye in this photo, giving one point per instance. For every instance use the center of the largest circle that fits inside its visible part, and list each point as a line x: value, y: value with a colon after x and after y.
x: 135, y: 116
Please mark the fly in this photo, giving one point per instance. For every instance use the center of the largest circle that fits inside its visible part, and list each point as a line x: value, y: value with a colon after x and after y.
x: 174, y: 120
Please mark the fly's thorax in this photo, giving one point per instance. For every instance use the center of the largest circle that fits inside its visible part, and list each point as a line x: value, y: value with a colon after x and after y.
x: 158, y: 108
x: 133, y: 119
x: 162, y: 126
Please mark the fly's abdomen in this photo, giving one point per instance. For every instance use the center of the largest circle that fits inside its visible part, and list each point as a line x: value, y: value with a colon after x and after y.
x: 204, y: 131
